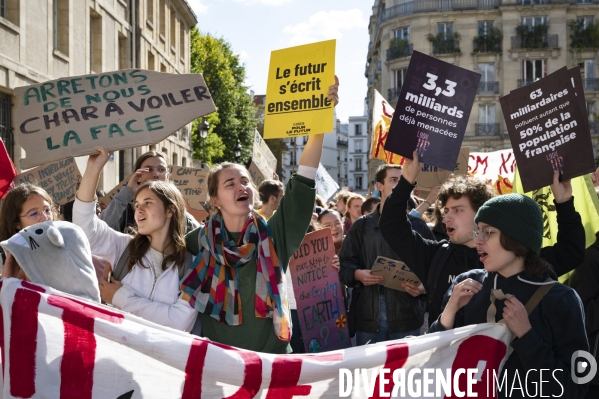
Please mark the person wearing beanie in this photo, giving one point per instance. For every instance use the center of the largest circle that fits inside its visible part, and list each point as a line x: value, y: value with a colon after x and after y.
x: 508, y: 238
x: 437, y: 264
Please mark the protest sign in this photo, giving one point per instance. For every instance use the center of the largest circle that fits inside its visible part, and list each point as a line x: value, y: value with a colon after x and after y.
x: 191, y: 182
x: 121, y: 109
x: 432, y: 111
x: 318, y: 294
x: 548, y: 131
x: 264, y: 163
x: 60, y: 179
x: 58, y: 346
x: 431, y: 176
x: 326, y: 186
x: 394, y: 273
x: 382, y: 113
x: 296, y: 92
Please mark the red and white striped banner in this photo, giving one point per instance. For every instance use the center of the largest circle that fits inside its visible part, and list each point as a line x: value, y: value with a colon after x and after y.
x: 58, y: 346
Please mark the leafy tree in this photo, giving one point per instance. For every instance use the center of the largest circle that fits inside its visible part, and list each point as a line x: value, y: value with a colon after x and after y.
x: 235, y: 116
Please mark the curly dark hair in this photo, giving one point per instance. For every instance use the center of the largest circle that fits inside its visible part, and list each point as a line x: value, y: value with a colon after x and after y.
x: 475, y: 189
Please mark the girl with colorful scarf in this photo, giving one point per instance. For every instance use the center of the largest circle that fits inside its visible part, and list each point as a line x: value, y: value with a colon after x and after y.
x: 237, y: 279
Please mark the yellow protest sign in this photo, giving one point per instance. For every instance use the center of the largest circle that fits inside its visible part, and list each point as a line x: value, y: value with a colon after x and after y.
x: 296, y: 94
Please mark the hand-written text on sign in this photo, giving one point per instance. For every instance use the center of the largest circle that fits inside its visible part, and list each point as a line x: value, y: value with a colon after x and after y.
x: 60, y: 179
x: 72, y: 116
x: 318, y: 294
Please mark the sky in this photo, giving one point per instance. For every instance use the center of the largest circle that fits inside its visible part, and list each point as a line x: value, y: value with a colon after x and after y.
x: 254, y: 28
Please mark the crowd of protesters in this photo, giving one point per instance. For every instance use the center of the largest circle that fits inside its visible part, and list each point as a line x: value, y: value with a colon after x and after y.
x: 478, y: 257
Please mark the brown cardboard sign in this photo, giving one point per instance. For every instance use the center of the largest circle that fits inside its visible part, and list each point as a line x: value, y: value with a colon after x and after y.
x: 60, y: 179
x: 431, y: 176
x: 549, y: 130
x: 192, y: 182
x: 263, y: 163
x: 394, y: 272
x: 120, y: 109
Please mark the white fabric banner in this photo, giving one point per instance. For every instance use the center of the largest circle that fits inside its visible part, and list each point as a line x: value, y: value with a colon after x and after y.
x: 497, y: 168
x: 326, y: 186
x: 58, y: 346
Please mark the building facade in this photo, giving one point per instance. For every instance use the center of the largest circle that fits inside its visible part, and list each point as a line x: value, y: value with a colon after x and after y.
x: 511, y: 43
x: 47, y: 40
x: 358, y: 152
x: 342, y: 130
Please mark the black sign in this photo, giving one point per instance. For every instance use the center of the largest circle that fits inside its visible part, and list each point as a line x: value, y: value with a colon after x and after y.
x: 548, y: 128
x: 432, y: 111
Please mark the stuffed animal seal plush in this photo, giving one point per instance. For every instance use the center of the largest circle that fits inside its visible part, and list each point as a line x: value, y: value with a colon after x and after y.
x: 56, y: 254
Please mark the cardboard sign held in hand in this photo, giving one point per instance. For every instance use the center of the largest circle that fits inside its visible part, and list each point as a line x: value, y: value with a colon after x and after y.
x: 264, y: 163
x: 121, y: 109
x: 60, y: 179
x: 394, y: 272
x: 431, y: 176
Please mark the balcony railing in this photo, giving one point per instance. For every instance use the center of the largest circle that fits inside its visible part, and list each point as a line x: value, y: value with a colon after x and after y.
x: 488, y: 88
x: 532, y: 42
x: 532, y: 2
x: 526, y: 82
x: 486, y: 129
x: 417, y: 6
x: 396, y: 52
x: 485, y: 46
x: 590, y: 84
x: 446, y: 47
x: 394, y: 94
x: 341, y: 143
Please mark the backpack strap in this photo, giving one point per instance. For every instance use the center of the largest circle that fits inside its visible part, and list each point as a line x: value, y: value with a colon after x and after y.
x: 120, y: 269
x: 532, y: 303
x: 436, y: 267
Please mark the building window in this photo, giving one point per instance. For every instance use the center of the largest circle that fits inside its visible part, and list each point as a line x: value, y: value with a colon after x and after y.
x: 403, y: 34
x: 399, y: 76
x: 150, y: 10
x: 358, y: 130
x: 358, y: 145
x: 164, y: 151
x: 6, y: 134
x: 151, y: 65
x: 586, y: 21
x: 162, y: 16
x: 173, y: 30
x: 175, y: 159
x: 184, y: 162
x: 533, y: 21
x: 484, y: 27
x: 358, y: 182
x: 446, y: 28
x: 533, y: 70
x: 486, y: 114
x: 181, y: 40
x: 487, y: 70
x: 9, y: 9
x: 358, y: 163
x: 587, y: 69
x: 61, y: 25
x: 152, y: 147
x: 123, y: 52
x: 95, y: 40
x: 162, y: 67
x: 591, y: 110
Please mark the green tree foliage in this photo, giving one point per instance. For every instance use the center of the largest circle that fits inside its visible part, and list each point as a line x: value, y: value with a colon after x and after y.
x: 235, y: 116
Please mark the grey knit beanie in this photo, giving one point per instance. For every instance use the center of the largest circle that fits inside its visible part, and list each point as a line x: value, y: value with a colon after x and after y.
x: 516, y: 215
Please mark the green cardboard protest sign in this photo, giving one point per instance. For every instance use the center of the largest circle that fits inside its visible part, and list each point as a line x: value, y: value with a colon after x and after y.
x: 121, y: 109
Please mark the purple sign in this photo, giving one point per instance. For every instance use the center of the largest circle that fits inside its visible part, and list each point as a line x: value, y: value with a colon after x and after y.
x: 319, y: 294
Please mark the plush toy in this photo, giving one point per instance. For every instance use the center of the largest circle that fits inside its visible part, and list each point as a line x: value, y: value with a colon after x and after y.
x: 56, y: 254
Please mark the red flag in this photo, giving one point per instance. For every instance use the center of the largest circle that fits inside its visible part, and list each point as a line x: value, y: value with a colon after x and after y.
x: 7, y: 171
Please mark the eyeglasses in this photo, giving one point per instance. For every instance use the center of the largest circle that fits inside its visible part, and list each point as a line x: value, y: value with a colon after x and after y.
x: 485, y: 232
x: 159, y: 169
x: 330, y: 226
x: 35, y: 214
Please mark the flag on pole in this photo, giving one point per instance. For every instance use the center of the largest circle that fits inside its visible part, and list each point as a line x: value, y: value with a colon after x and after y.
x: 326, y: 186
x: 382, y: 114
x: 7, y: 171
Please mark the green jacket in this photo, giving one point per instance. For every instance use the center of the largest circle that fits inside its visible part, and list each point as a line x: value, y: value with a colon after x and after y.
x: 288, y: 227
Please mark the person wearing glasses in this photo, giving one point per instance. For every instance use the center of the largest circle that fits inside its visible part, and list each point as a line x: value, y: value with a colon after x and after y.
x: 438, y: 263
x: 23, y: 206
x: 119, y: 214
x: 519, y: 287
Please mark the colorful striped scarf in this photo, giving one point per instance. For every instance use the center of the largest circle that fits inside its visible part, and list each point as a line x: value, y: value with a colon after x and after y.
x: 211, y: 285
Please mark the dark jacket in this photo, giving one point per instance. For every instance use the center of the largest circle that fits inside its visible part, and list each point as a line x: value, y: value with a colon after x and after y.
x: 585, y: 280
x: 359, y: 251
x: 418, y: 252
x: 557, y: 332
